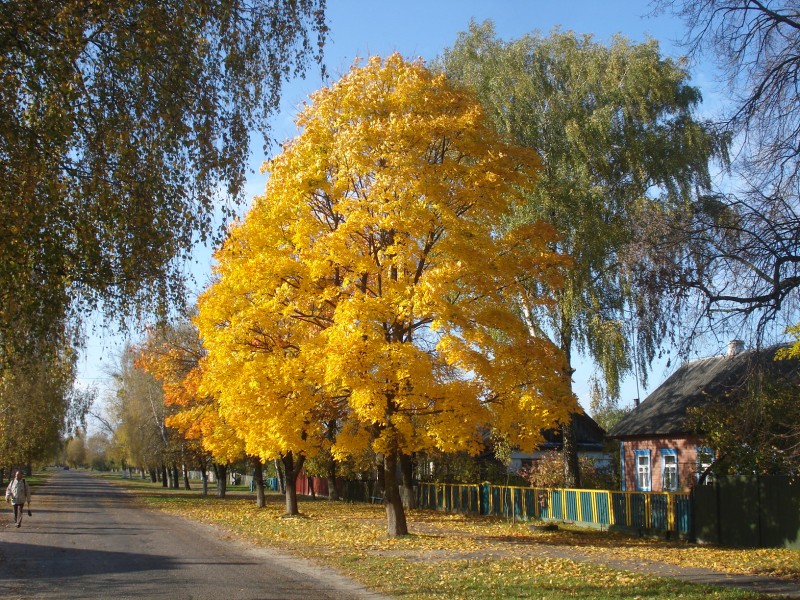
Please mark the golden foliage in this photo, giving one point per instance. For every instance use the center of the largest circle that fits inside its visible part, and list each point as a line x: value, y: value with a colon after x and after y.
x: 372, y: 288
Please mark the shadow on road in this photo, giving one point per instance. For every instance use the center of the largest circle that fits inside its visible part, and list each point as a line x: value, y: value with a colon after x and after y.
x: 79, y: 563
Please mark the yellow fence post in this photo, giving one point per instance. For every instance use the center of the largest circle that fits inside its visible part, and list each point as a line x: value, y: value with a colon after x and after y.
x: 670, y: 512
x: 628, y: 520
x: 610, y: 502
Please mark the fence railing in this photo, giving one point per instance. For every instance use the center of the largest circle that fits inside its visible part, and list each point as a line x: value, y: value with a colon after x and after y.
x: 600, y: 508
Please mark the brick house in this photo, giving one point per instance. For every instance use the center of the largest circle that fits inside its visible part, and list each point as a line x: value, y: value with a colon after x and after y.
x: 659, y: 451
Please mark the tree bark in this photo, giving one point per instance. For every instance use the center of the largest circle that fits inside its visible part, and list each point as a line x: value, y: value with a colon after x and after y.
x: 292, y: 469
x: 333, y: 493
x: 395, y: 513
x: 164, y: 476
x: 407, y: 481
x: 204, y: 475
x: 281, y: 479
x: 258, y: 478
x: 569, y: 435
x: 186, y: 485
x: 569, y: 432
x: 221, y: 471
x: 176, y: 480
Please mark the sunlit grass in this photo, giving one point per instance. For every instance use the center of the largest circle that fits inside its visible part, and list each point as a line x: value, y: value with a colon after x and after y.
x: 456, y: 556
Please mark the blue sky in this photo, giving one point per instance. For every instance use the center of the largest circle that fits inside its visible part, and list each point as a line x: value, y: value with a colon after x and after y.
x: 416, y: 28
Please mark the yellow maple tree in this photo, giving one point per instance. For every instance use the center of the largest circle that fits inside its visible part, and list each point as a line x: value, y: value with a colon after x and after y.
x: 374, y: 285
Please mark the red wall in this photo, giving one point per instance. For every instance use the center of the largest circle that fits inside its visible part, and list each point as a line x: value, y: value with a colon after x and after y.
x: 686, y: 448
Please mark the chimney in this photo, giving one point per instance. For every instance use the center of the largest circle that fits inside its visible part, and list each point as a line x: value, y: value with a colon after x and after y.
x: 636, y: 403
x: 735, y: 347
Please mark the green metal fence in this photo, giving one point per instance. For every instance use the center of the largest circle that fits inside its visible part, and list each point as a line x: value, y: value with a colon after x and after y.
x: 599, y: 508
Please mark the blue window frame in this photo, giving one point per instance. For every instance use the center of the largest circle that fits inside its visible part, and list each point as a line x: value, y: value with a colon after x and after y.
x: 643, y: 470
x: 669, y: 469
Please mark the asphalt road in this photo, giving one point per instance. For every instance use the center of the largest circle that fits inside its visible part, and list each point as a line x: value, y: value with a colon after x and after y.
x: 86, y: 539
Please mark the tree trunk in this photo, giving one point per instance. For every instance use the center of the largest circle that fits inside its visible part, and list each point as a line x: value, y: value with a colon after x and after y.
x: 292, y: 469
x: 569, y: 431
x: 186, y: 485
x: 164, y: 476
x: 395, y: 514
x: 333, y: 493
x: 204, y: 476
x: 153, y: 475
x: 281, y: 479
x: 221, y: 471
x: 572, y: 473
x: 407, y: 481
x: 258, y: 478
x: 380, y: 484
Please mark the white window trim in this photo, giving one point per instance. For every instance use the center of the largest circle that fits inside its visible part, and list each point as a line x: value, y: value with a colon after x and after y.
x: 649, y: 487
x: 664, y: 453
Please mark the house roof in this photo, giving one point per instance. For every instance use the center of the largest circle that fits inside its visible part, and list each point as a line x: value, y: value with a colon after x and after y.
x: 589, y: 435
x: 695, y: 384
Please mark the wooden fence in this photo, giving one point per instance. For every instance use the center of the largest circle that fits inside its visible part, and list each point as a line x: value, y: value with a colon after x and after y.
x: 600, y: 508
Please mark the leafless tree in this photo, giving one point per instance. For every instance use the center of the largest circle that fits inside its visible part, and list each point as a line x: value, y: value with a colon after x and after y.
x: 735, y: 255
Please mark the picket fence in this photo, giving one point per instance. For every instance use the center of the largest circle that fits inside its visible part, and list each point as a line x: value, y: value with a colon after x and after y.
x: 650, y: 511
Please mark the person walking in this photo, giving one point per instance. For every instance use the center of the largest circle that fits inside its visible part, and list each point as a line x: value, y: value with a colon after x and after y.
x: 18, y: 493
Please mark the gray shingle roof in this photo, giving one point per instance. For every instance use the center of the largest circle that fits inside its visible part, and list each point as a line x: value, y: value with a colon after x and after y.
x: 694, y: 384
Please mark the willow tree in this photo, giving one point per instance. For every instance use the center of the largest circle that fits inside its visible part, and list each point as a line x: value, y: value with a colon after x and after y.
x: 123, y: 127
x: 616, y: 128
x: 371, y: 282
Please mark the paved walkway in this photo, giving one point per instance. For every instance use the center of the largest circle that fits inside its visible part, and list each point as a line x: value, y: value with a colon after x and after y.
x: 87, y: 539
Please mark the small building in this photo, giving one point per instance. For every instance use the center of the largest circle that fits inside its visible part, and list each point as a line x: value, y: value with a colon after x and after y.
x: 590, y: 441
x: 659, y: 450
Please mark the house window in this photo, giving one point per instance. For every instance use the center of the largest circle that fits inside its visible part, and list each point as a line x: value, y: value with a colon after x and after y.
x: 642, y: 470
x: 705, y: 458
x: 669, y: 470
